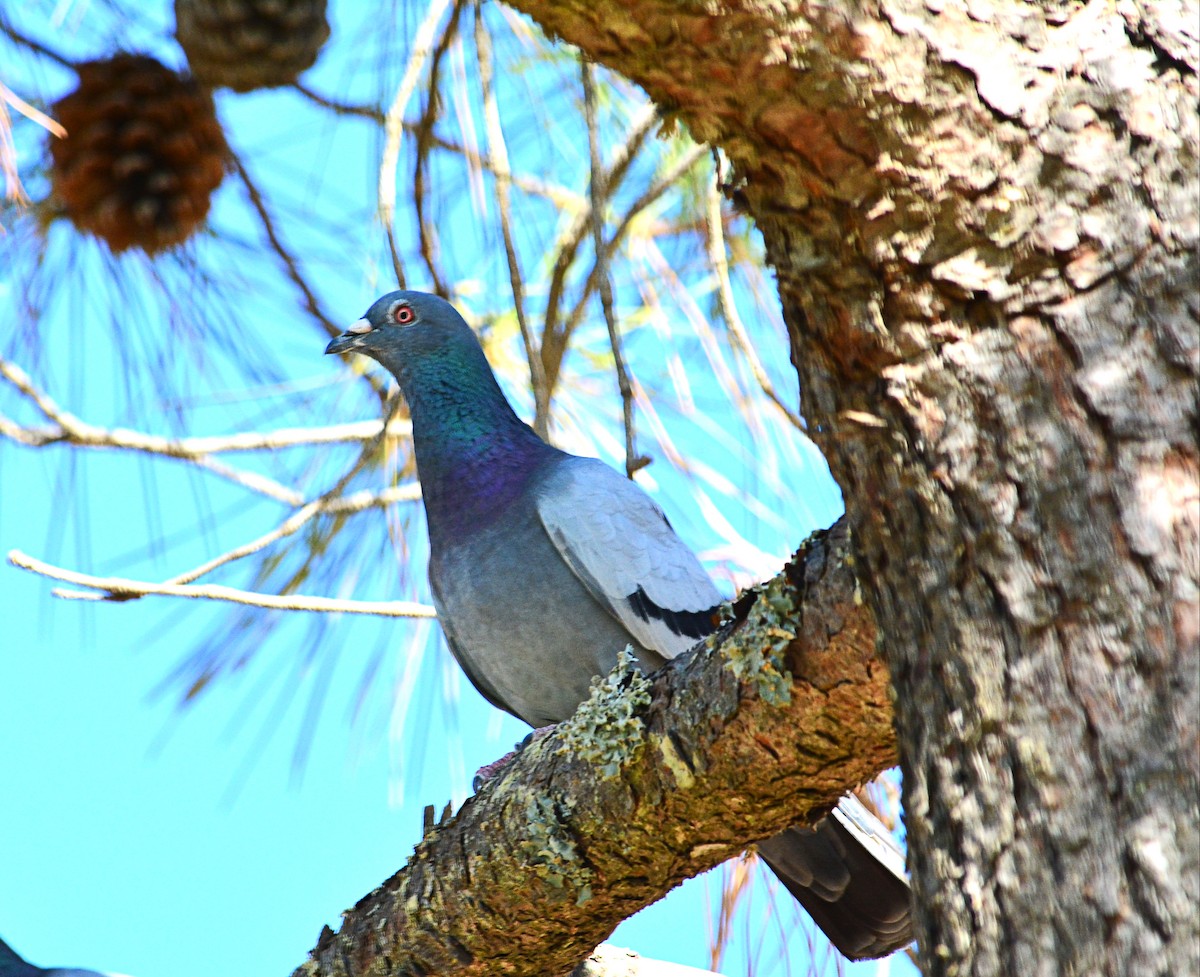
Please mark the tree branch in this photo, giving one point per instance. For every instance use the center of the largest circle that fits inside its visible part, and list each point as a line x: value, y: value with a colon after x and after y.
x: 121, y: 589
x: 599, y: 195
x: 297, y: 520
x: 497, y: 158
x: 291, y: 263
x: 422, y: 45
x: 719, y: 260
x: 555, y: 341
x: 554, y: 344
x: 67, y: 428
x: 652, y: 781
x: 426, y: 233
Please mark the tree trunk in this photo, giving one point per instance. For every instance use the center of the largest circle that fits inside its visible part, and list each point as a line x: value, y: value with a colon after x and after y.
x: 983, y: 220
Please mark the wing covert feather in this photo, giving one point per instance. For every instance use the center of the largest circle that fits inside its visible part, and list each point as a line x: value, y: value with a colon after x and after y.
x: 619, y: 544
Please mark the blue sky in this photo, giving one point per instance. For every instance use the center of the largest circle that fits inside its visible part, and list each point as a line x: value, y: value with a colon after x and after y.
x: 143, y: 836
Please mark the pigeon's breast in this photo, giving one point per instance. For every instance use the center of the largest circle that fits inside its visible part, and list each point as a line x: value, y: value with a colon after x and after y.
x: 522, y: 626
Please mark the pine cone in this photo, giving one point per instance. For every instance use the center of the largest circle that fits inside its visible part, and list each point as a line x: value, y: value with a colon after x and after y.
x: 142, y: 155
x: 249, y: 44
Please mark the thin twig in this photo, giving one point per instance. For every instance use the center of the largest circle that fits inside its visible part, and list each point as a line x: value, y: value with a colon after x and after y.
x: 78, y: 432
x: 719, y: 260
x: 554, y: 343
x: 393, y: 128
x: 38, y: 46
x: 121, y: 589
x: 562, y: 337
x: 290, y: 263
x: 426, y: 233
x: 331, y: 502
x: 69, y: 429
x: 372, y: 112
x: 498, y: 154
x: 342, y: 505
x: 189, y: 448
x: 633, y: 461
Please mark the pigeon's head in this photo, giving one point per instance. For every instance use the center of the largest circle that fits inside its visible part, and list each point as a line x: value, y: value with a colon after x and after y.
x: 405, y: 328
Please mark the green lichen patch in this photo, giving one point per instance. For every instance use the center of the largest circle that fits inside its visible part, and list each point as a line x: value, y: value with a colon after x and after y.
x: 607, y: 730
x: 550, y: 852
x: 756, y: 653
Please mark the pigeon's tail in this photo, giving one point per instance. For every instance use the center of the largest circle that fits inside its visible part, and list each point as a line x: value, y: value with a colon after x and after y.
x: 849, y: 875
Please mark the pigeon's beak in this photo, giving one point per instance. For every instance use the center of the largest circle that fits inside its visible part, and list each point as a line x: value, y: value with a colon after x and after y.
x: 351, y: 339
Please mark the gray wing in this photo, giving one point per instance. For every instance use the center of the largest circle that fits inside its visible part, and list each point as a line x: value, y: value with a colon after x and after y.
x: 621, y: 547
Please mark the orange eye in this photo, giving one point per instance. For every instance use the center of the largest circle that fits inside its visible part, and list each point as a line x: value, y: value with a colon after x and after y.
x: 403, y: 315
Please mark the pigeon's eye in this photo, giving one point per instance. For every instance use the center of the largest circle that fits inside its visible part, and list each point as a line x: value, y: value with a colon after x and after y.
x: 403, y: 315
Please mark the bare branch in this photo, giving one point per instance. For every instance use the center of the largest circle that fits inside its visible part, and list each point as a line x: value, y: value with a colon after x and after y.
x: 498, y: 156
x: 426, y: 232
x: 554, y: 340
x: 599, y: 204
x: 737, y: 331
x: 69, y: 429
x: 393, y: 127
x: 556, y: 343
x: 372, y: 112
x: 196, y: 447
x: 25, y: 41
x: 121, y: 589
x: 290, y: 263
x: 287, y: 437
x: 72, y: 430
x: 341, y: 505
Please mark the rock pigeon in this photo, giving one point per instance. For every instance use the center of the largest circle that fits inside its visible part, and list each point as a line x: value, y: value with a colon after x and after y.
x: 13, y: 964
x: 544, y: 566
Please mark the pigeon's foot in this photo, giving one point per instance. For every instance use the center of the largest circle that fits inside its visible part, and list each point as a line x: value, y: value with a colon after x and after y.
x: 490, y: 770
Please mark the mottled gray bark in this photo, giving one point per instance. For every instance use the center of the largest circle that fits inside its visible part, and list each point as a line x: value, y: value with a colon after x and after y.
x: 983, y: 218
x: 762, y: 726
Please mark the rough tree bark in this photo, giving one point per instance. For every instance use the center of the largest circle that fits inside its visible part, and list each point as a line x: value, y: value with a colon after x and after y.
x: 652, y: 781
x: 983, y: 218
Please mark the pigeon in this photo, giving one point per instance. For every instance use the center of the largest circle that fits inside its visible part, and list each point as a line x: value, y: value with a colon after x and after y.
x: 544, y: 566
x: 12, y: 964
